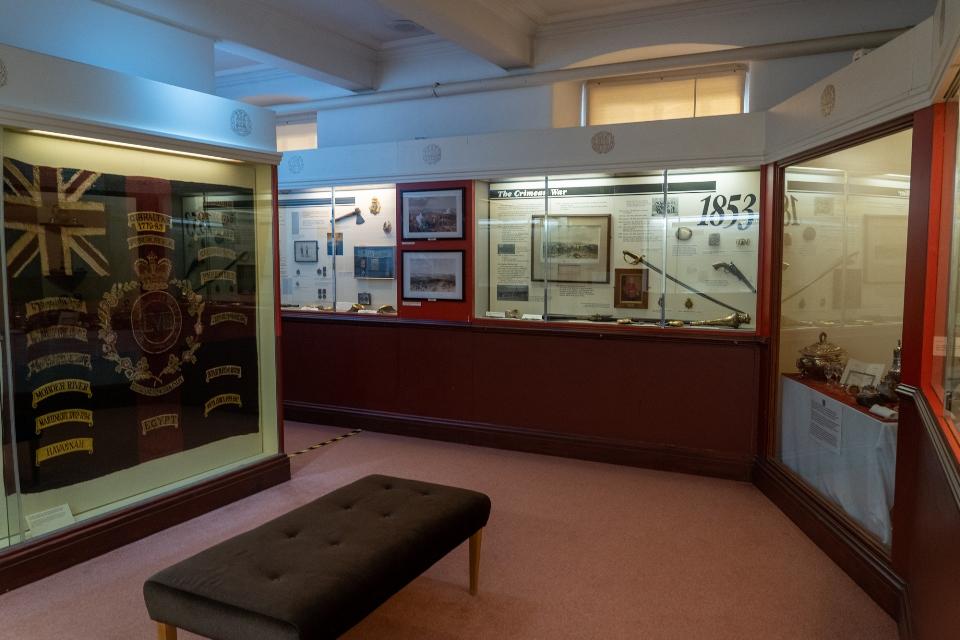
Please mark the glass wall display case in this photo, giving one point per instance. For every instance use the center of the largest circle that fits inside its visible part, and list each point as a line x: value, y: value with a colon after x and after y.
x: 138, y: 324
x: 665, y: 248
x: 338, y: 249
x: 945, y: 357
x: 844, y: 259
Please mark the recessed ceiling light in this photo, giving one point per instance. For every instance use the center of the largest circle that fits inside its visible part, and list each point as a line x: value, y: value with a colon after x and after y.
x: 406, y: 27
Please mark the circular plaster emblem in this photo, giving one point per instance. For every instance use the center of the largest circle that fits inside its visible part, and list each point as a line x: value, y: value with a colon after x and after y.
x: 828, y: 100
x: 432, y: 153
x: 296, y: 164
x: 602, y: 142
x: 3, y: 73
x: 241, y: 123
x: 156, y: 321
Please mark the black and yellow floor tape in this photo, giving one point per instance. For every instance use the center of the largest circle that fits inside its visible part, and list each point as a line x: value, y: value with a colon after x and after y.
x: 325, y: 443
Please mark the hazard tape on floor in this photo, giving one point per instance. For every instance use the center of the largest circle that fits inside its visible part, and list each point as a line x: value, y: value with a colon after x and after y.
x: 325, y: 443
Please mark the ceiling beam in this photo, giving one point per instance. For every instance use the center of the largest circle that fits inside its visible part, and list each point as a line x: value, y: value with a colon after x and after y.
x: 267, y: 36
x: 475, y: 25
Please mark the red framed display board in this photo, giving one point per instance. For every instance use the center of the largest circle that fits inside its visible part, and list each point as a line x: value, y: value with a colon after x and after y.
x: 450, y: 242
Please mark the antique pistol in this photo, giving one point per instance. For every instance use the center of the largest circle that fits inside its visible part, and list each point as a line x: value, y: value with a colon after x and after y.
x: 733, y: 270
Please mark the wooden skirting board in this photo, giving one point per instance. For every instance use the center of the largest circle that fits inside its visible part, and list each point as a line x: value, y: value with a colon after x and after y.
x: 31, y: 561
x: 638, y: 454
x: 846, y: 545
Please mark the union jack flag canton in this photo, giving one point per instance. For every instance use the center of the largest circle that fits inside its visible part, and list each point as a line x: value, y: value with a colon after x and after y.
x: 47, y: 208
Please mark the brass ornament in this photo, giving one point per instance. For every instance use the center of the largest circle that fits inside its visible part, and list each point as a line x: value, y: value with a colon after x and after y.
x: 817, y: 357
x: 375, y: 206
x: 386, y: 308
x: 733, y: 320
x: 688, y: 303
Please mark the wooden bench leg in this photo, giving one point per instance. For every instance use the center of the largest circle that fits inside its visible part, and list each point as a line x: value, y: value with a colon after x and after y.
x: 475, y: 541
x: 166, y: 631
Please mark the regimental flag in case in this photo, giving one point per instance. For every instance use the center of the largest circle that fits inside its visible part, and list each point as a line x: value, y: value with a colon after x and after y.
x: 117, y: 360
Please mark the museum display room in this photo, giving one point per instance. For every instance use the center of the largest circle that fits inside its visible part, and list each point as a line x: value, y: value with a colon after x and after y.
x: 747, y: 296
x: 139, y: 315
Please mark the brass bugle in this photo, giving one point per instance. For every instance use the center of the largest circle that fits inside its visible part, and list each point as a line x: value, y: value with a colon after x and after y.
x: 734, y: 320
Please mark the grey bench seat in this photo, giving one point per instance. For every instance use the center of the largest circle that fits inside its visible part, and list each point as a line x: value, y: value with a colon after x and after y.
x: 320, y: 569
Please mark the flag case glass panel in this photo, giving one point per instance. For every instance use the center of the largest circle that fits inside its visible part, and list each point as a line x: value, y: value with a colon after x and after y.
x: 139, y: 321
x: 338, y: 250
x: 664, y: 248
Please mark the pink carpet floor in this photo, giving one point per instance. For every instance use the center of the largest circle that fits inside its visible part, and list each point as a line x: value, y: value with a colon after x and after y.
x: 573, y: 550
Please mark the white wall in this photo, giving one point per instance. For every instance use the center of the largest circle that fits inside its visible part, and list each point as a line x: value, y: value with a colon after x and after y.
x: 92, y: 33
x: 516, y: 109
x: 773, y: 81
x: 663, y: 31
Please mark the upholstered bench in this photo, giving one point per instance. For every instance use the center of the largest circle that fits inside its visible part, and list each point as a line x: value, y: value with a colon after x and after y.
x: 319, y: 570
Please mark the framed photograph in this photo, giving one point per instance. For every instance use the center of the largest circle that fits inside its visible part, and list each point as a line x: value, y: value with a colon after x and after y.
x: 884, y: 249
x: 513, y: 292
x: 432, y: 215
x: 433, y: 275
x: 365, y: 299
x: 571, y: 248
x: 334, y: 243
x: 305, y: 251
x: 374, y: 262
x: 631, y: 288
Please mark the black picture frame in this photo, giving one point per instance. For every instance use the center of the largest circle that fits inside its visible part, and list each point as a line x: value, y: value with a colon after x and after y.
x: 429, y: 214
x: 306, y: 251
x: 416, y: 281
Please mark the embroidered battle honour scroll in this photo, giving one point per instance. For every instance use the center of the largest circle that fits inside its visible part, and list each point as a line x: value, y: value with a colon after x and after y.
x: 132, y: 317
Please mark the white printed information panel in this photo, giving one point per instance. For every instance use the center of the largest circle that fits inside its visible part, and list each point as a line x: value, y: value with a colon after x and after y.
x: 604, y: 249
x: 339, y: 256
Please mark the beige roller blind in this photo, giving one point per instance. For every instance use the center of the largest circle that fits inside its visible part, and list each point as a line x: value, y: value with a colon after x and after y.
x: 642, y: 98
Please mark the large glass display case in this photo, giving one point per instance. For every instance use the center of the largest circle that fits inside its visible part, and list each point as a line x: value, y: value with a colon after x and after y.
x: 138, y: 324
x: 665, y: 248
x: 338, y: 250
x: 844, y: 261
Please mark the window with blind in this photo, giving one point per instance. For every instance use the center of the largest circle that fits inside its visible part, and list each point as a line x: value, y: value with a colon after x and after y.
x: 690, y: 94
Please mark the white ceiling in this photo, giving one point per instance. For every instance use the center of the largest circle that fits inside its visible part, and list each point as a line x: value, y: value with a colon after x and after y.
x: 364, y: 21
x: 552, y: 11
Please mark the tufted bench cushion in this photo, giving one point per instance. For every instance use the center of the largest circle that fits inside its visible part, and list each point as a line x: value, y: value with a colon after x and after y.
x: 317, y: 571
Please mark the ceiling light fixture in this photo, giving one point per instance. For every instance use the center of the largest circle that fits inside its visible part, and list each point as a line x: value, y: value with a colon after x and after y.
x: 129, y: 145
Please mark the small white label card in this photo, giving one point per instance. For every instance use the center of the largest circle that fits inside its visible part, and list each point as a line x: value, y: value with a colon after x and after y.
x: 50, y: 519
x: 407, y: 303
x: 532, y: 316
x: 496, y: 314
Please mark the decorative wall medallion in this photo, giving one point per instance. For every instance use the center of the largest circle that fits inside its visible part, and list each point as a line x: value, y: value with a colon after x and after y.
x: 3, y: 73
x: 432, y: 153
x: 241, y: 123
x: 828, y: 100
x: 296, y: 164
x: 603, y: 142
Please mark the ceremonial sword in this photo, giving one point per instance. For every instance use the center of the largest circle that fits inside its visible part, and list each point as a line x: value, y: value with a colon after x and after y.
x: 632, y: 258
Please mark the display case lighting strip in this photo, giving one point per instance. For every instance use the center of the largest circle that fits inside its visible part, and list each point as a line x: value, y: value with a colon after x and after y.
x: 129, y: 145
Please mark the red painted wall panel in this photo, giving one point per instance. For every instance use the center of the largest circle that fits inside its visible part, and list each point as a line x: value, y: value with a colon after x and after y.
x: 700, y: 395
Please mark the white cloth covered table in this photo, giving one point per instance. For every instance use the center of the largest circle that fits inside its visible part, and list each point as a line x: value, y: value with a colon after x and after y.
x: 855, y: 471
